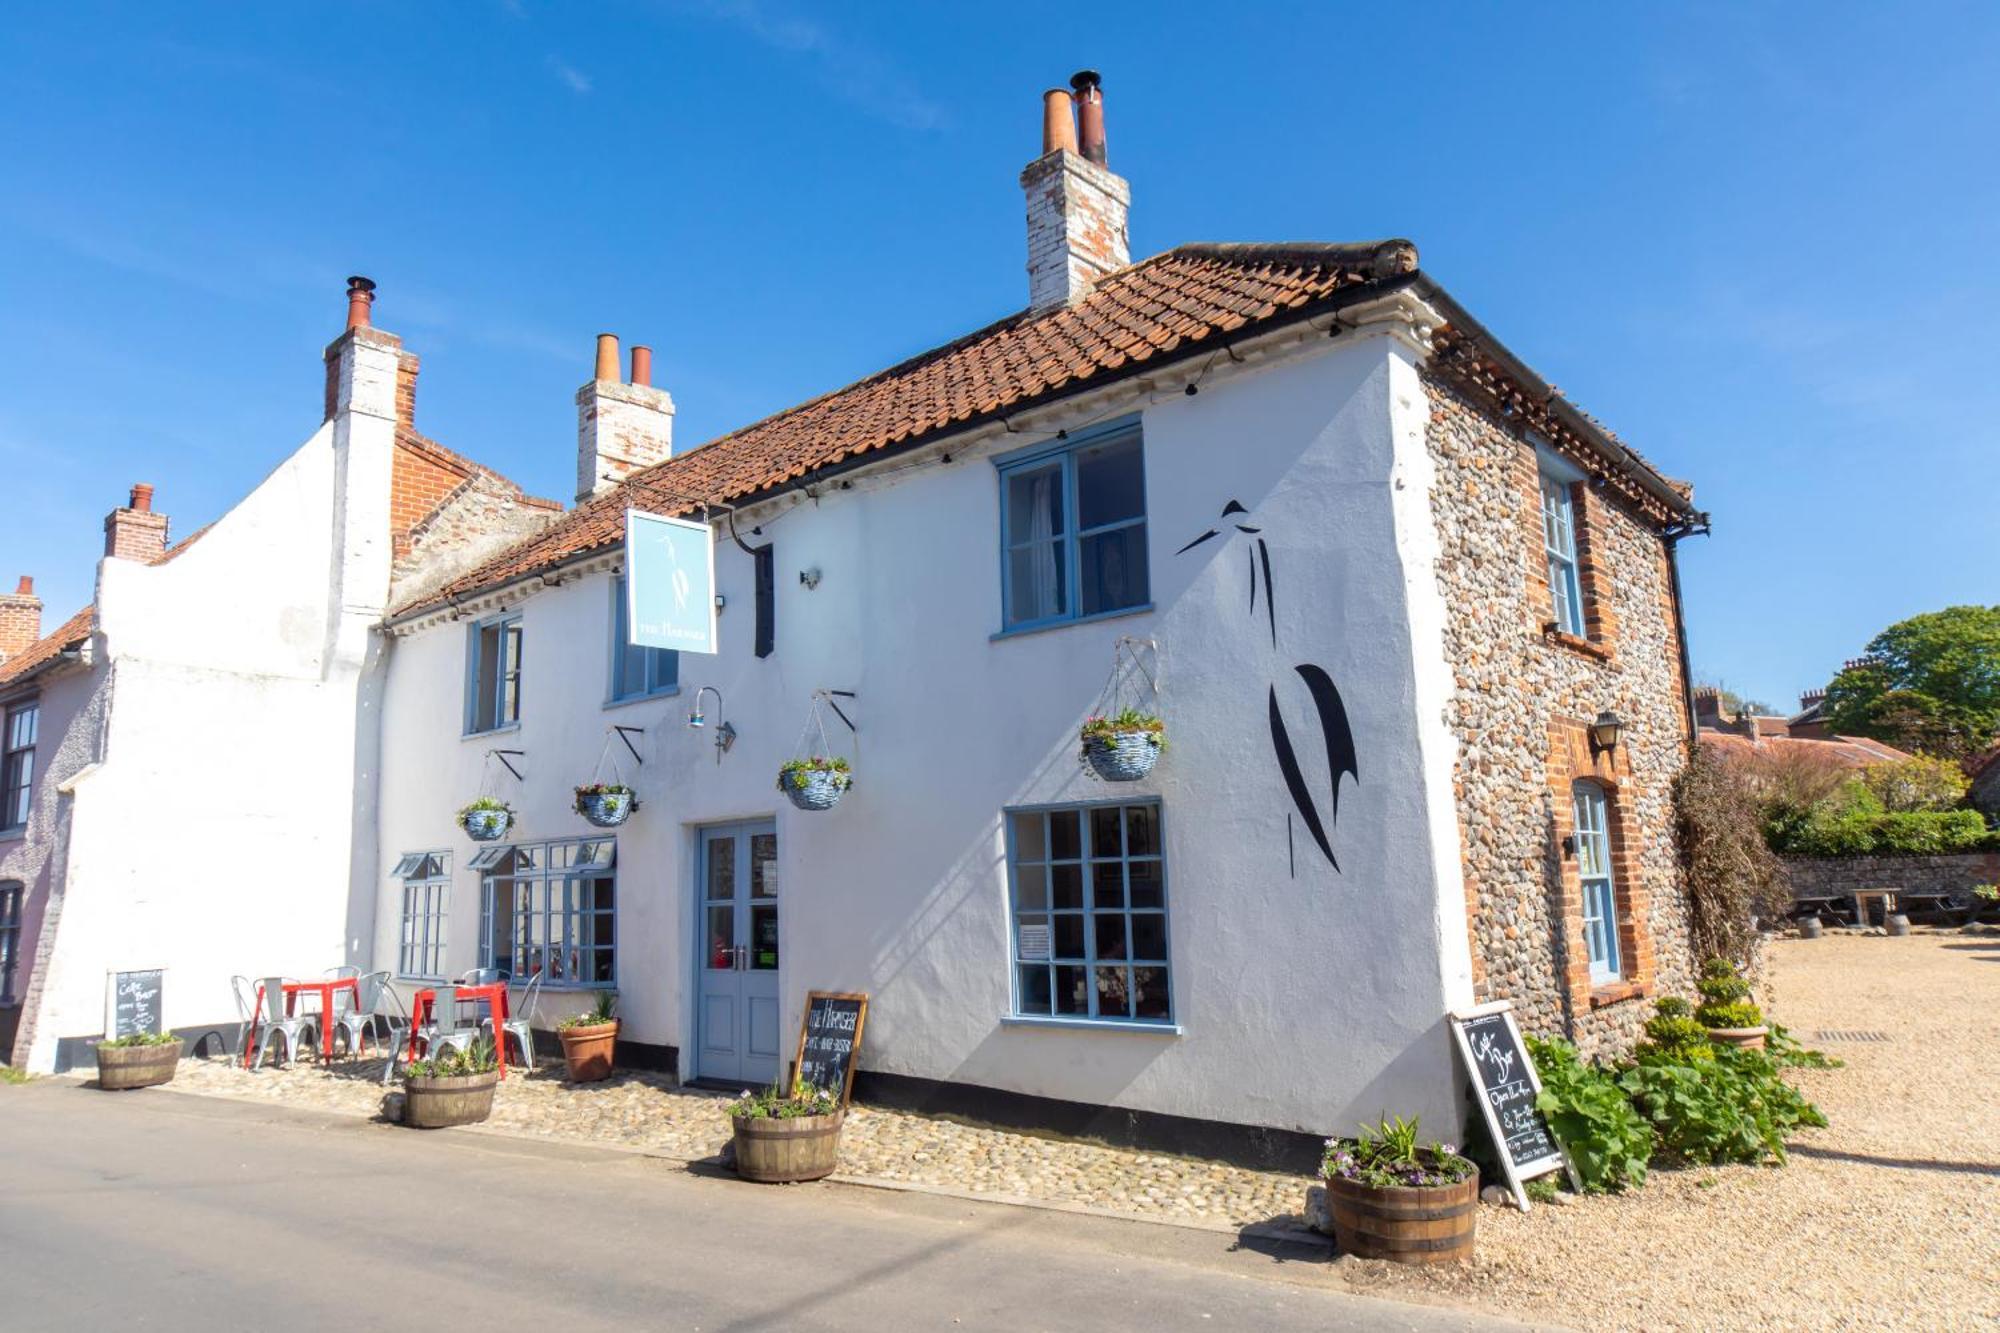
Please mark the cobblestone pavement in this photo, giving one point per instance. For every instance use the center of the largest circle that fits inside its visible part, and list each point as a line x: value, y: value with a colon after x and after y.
x: 647, y: 1111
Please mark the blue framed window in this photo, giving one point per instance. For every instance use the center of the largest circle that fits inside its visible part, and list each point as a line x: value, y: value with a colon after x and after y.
x: 1088, y: 888
x: 11, y: 892
x: 636, y: 672
x: 493, y: 674
x: 1559, y: 540
x: 18, y: 724
x: 550, y: 909
x: 1073, y: 529
x: 426, y: 880
x: 1600, y: 893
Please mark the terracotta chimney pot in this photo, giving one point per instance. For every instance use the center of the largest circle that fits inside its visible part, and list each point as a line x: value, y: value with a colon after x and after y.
x: 142, y: 497
x: 360, y: 295
x: 1089, y: 114
x: 607, y: 357
x: 1058, y: 122
x: 27, y: 586
x: 642, y: 365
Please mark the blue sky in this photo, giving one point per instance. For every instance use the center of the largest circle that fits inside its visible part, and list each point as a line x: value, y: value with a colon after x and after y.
x: 1758, y: 240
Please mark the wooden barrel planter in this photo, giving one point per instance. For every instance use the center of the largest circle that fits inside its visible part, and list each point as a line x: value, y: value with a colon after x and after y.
x: 439, y: 1103
x: 1407, y: 1225
x: 1749, y: 1039
x: 121, y: 1068
x: 779, y: 1152
x: 588, y: 1050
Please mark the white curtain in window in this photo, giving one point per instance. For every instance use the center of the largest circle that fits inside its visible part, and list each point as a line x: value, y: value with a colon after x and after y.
x: 1042, y: 551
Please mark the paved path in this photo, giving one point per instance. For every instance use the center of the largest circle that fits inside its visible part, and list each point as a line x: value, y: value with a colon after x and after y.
x: 157, y: 1210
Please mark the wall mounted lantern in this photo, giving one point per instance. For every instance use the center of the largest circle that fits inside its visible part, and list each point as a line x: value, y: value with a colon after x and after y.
x: 725, y: 733
x: 1604, y: 733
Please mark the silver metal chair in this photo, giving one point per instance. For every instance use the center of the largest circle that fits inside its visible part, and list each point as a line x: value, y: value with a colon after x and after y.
x: 446, y: 1030
x: 356, y: 1024
x: 278, y: 1025
x: 387, y: 1009
x: 343, y: 1003
x: 481, y: 976
x: 246, y: 1014
x: 521, y: 1027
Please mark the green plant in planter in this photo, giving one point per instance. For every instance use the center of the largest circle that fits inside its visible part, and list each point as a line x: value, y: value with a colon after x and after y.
x: 597, y: 790
x: 1387, y: 1156
x: 604, y: 1011
x: 794, y: 772
x: 1103, y: 729
x: 478, y: 1058
x: 484, y: 805
x: 1608, y: 1142
x: 774, y: 1103
x: 1725, y: 997
x: 141, y: 1039
x: 1673, y: 1036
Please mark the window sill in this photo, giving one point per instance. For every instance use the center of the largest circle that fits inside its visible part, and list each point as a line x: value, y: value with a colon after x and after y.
x: 631, y: 699
x: 492, y: 731
x: 1617, y: 992
x: 1091, y: 1024
x: 1583, y: 647
x: 1043, y: 627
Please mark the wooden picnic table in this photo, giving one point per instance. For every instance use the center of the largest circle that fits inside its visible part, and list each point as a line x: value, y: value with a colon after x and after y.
x: 1861, y: 899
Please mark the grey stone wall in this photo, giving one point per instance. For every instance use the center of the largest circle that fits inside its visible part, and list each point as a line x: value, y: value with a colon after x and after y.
x: 1512, y: 685
x: 1911, y: 874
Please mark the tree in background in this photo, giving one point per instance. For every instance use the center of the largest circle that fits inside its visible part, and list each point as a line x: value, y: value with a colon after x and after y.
x: 1919, y: 783
x: 1732, y: 877
x: 1929, y: 683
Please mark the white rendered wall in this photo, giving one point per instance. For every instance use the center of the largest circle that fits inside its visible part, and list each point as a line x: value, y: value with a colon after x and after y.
x: 1305, y: 1002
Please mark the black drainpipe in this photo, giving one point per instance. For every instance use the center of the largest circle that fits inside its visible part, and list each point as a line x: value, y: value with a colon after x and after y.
x: 1694, y: 527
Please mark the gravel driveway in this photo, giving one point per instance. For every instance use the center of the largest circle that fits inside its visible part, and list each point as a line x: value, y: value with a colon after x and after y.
x: 1888, y: 1218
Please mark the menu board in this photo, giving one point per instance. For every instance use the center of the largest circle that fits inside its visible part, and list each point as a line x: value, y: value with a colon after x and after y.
x: 1505, y: 1080
x: 134, y: 1003
x: 829, y: 1041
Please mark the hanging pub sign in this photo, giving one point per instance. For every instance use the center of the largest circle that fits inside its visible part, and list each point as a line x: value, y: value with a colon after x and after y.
x: 132, y: 1003
x: 1505, y: 1079
x: 669, y: 583
x: 829, y: 1041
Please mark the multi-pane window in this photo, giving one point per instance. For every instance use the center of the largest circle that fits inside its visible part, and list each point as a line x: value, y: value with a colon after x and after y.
x: 1559, y: 538
x: 1089, y: 889
x: 10, y: 936
x: 1600, y: 893
x: 637, y: 672
x: 1073, y: 528
x: 493, y: 675
x: 550, y: 909
x: 17, y: 763
x: 426, y: 880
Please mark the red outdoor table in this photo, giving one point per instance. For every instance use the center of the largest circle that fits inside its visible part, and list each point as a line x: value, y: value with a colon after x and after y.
x: 494, y: 993
x: 326, y: 991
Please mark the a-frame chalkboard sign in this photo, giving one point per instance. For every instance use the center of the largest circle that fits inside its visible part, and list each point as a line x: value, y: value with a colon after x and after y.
x: 1504, y: 1077
x: 830, y: 1040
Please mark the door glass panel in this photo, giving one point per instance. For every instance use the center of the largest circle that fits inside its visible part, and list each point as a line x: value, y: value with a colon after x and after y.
x: 764, y: 938
x: 764, y: 866
x: 721, y: 937
x: 722, y: 870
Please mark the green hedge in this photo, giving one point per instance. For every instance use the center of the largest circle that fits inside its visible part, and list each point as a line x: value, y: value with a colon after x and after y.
x: 1901, y: 833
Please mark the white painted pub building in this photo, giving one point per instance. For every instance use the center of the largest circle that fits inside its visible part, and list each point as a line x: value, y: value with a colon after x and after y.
x: 1375, y: 576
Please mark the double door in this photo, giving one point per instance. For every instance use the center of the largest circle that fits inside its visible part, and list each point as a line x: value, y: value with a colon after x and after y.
x: 737, y: 1005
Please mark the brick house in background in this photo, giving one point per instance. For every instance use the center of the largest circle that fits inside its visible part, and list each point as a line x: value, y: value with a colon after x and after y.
x: 184, y: 755
x: 1805, y: 733
x: 1412, y: 620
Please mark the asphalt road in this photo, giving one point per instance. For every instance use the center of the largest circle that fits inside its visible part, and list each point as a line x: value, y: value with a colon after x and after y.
x: 160, y: 1211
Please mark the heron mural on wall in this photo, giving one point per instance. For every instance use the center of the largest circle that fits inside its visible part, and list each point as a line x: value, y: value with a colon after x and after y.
x: 1329, y: 712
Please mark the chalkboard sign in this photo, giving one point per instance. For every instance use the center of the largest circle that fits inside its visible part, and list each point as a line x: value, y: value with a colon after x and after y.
x: 1505, y: 1080
x: 829, y: 1041
x: 134, y: 1003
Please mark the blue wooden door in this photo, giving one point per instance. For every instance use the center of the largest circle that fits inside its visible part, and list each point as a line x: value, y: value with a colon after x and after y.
x: 738, y: 966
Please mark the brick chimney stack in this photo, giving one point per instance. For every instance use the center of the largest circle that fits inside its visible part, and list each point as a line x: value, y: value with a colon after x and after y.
x: 20, y: 619
x: 136, y: 532
x: 621, y: 427
x: 1077, y: 207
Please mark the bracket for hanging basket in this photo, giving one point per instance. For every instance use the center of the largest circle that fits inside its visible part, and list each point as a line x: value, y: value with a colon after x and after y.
x: 508, y: 764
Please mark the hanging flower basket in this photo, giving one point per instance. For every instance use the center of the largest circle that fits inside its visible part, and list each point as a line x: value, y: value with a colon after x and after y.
x: 1124, y: 747
x: 486, y: 819
x: 816, y: 783
x: 606, y: 804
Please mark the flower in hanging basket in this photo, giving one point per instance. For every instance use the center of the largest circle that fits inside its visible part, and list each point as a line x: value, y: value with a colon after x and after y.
x: 486, y: 819
x: 816, y: 783
x: 606, y: 804
x: 1124, y: 746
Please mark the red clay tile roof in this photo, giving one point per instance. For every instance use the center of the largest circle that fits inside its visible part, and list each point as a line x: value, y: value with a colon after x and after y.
x: 1174, y: 304
x: 1854, y: 751
x: 71, y: 635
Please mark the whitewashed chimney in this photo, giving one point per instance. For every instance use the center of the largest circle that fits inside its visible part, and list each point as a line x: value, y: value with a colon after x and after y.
x: 1077, y: 206
x: 621, y: 427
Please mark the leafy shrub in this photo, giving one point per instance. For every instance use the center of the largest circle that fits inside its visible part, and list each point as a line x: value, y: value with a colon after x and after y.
x: 142, y: 1039
x: 1725, y: 997
x: 1735, y: 1014
x: 1731, y: 1107
x: 1673, y: 1036
x: 1732, y: 877
x: 1920, y: 782
x: 478, y: 1058
x: 1607, y: 1141
x: 1897, y: 833
x: 773, y: 1103
x: 1789, y: 1053
x: 1387, y: 1156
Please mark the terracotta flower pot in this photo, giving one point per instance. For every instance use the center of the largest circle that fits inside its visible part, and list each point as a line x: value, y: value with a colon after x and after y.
x: 782, y: 1152
x: 1749, y: 1039
x: 439, y: 1103
x: 121, y: 1068
x: 1404, y: 1224
x: 589, y: 1050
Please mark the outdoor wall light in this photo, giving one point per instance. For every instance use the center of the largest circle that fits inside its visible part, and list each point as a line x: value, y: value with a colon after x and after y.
x: 810, y: 578
x: 1604, y: 733
x: 725, y: 733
